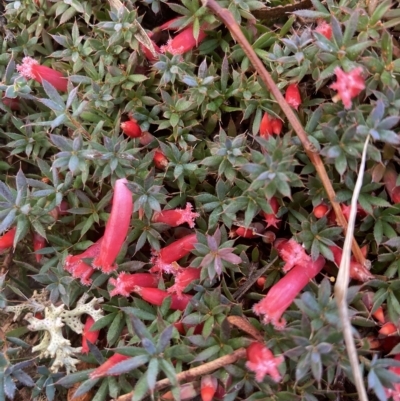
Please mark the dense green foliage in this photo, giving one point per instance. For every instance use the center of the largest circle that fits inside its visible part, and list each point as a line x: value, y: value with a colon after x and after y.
x: 204, y: 109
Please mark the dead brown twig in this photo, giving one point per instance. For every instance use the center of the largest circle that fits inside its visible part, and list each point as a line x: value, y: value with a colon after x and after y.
x: 226, y: 17
x: 196, y: 372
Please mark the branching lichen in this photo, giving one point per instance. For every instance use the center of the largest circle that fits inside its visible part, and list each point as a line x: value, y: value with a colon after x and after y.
x: 53, y: 343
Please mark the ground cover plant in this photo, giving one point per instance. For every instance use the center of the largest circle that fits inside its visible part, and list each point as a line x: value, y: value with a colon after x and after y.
x: 175, y: 187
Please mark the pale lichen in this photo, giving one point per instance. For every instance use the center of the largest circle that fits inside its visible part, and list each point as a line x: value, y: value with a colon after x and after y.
x: 53, y: 343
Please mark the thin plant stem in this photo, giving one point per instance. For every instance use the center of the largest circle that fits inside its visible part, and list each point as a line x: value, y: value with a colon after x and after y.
x: 226, y: 17
x: 342, y: 283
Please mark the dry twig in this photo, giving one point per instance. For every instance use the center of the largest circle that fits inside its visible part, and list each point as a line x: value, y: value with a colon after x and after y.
x: 196, y: 372
x: 343, y: 282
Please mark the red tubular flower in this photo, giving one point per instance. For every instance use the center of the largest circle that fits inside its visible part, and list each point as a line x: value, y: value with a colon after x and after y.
x: 71, y: 262
x: 183, y: 41
x: 160, y: 160
x: 156, y: 297
x: 270, y: 126
x: 292, y: 253
x: 324, y: 29
x: 183, y: 278
x: 394, y: 392
x: 321, y: 210
x: 125, y: 283
x: 283, y: 293
x: 357, y: 270
x: 116, y: 228
x: 177, y: 217
x: 131, y: 128
x: 262, y: 362
x: 208, y: 387
x: 103, y: 369
x: 270, y: 218
x: 292, y: 96
x: 348, y: 85
x: 7, y: 240
x: 31, y: 69
x: 78, y: 268
x: 88, y: 335
x: 172, y: 253
x: 38, y: 243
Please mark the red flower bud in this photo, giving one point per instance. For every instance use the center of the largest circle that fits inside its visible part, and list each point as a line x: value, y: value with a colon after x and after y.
x: 321, y: 210
x: 251, y: 232
x: 7, y: 240
x: 348, y: 85
x: 38, y: 243
x: 31, y: 69
x: 125, y: 283
x: 262, y: 362
x: 63, y: 208
x: 260, y: 283
x: 180, y: 327
x: 368, y: 299
x: 116, y: 228
x: 270, y: 126
x: 88, y: 335
x: 388, y: 329
x: 12, y: 103
x: 156, y: 297
x: 208, y: 387
x: 160, y: 160
x: 390, y: 179
x: 292, y: 96
x: 131, y: 128
x: 324, y: 29
x: 379, y: 315
x: 176, y: 217
x: 184, y: 41
x: 172, y: 253
x: 283, y: 293
x: 103, y: 369
x: 270, y: 218
x: 268, y: 237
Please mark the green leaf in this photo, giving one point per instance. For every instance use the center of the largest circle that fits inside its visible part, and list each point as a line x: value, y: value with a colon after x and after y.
x: 128, y: 365
x: 116, y: 328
